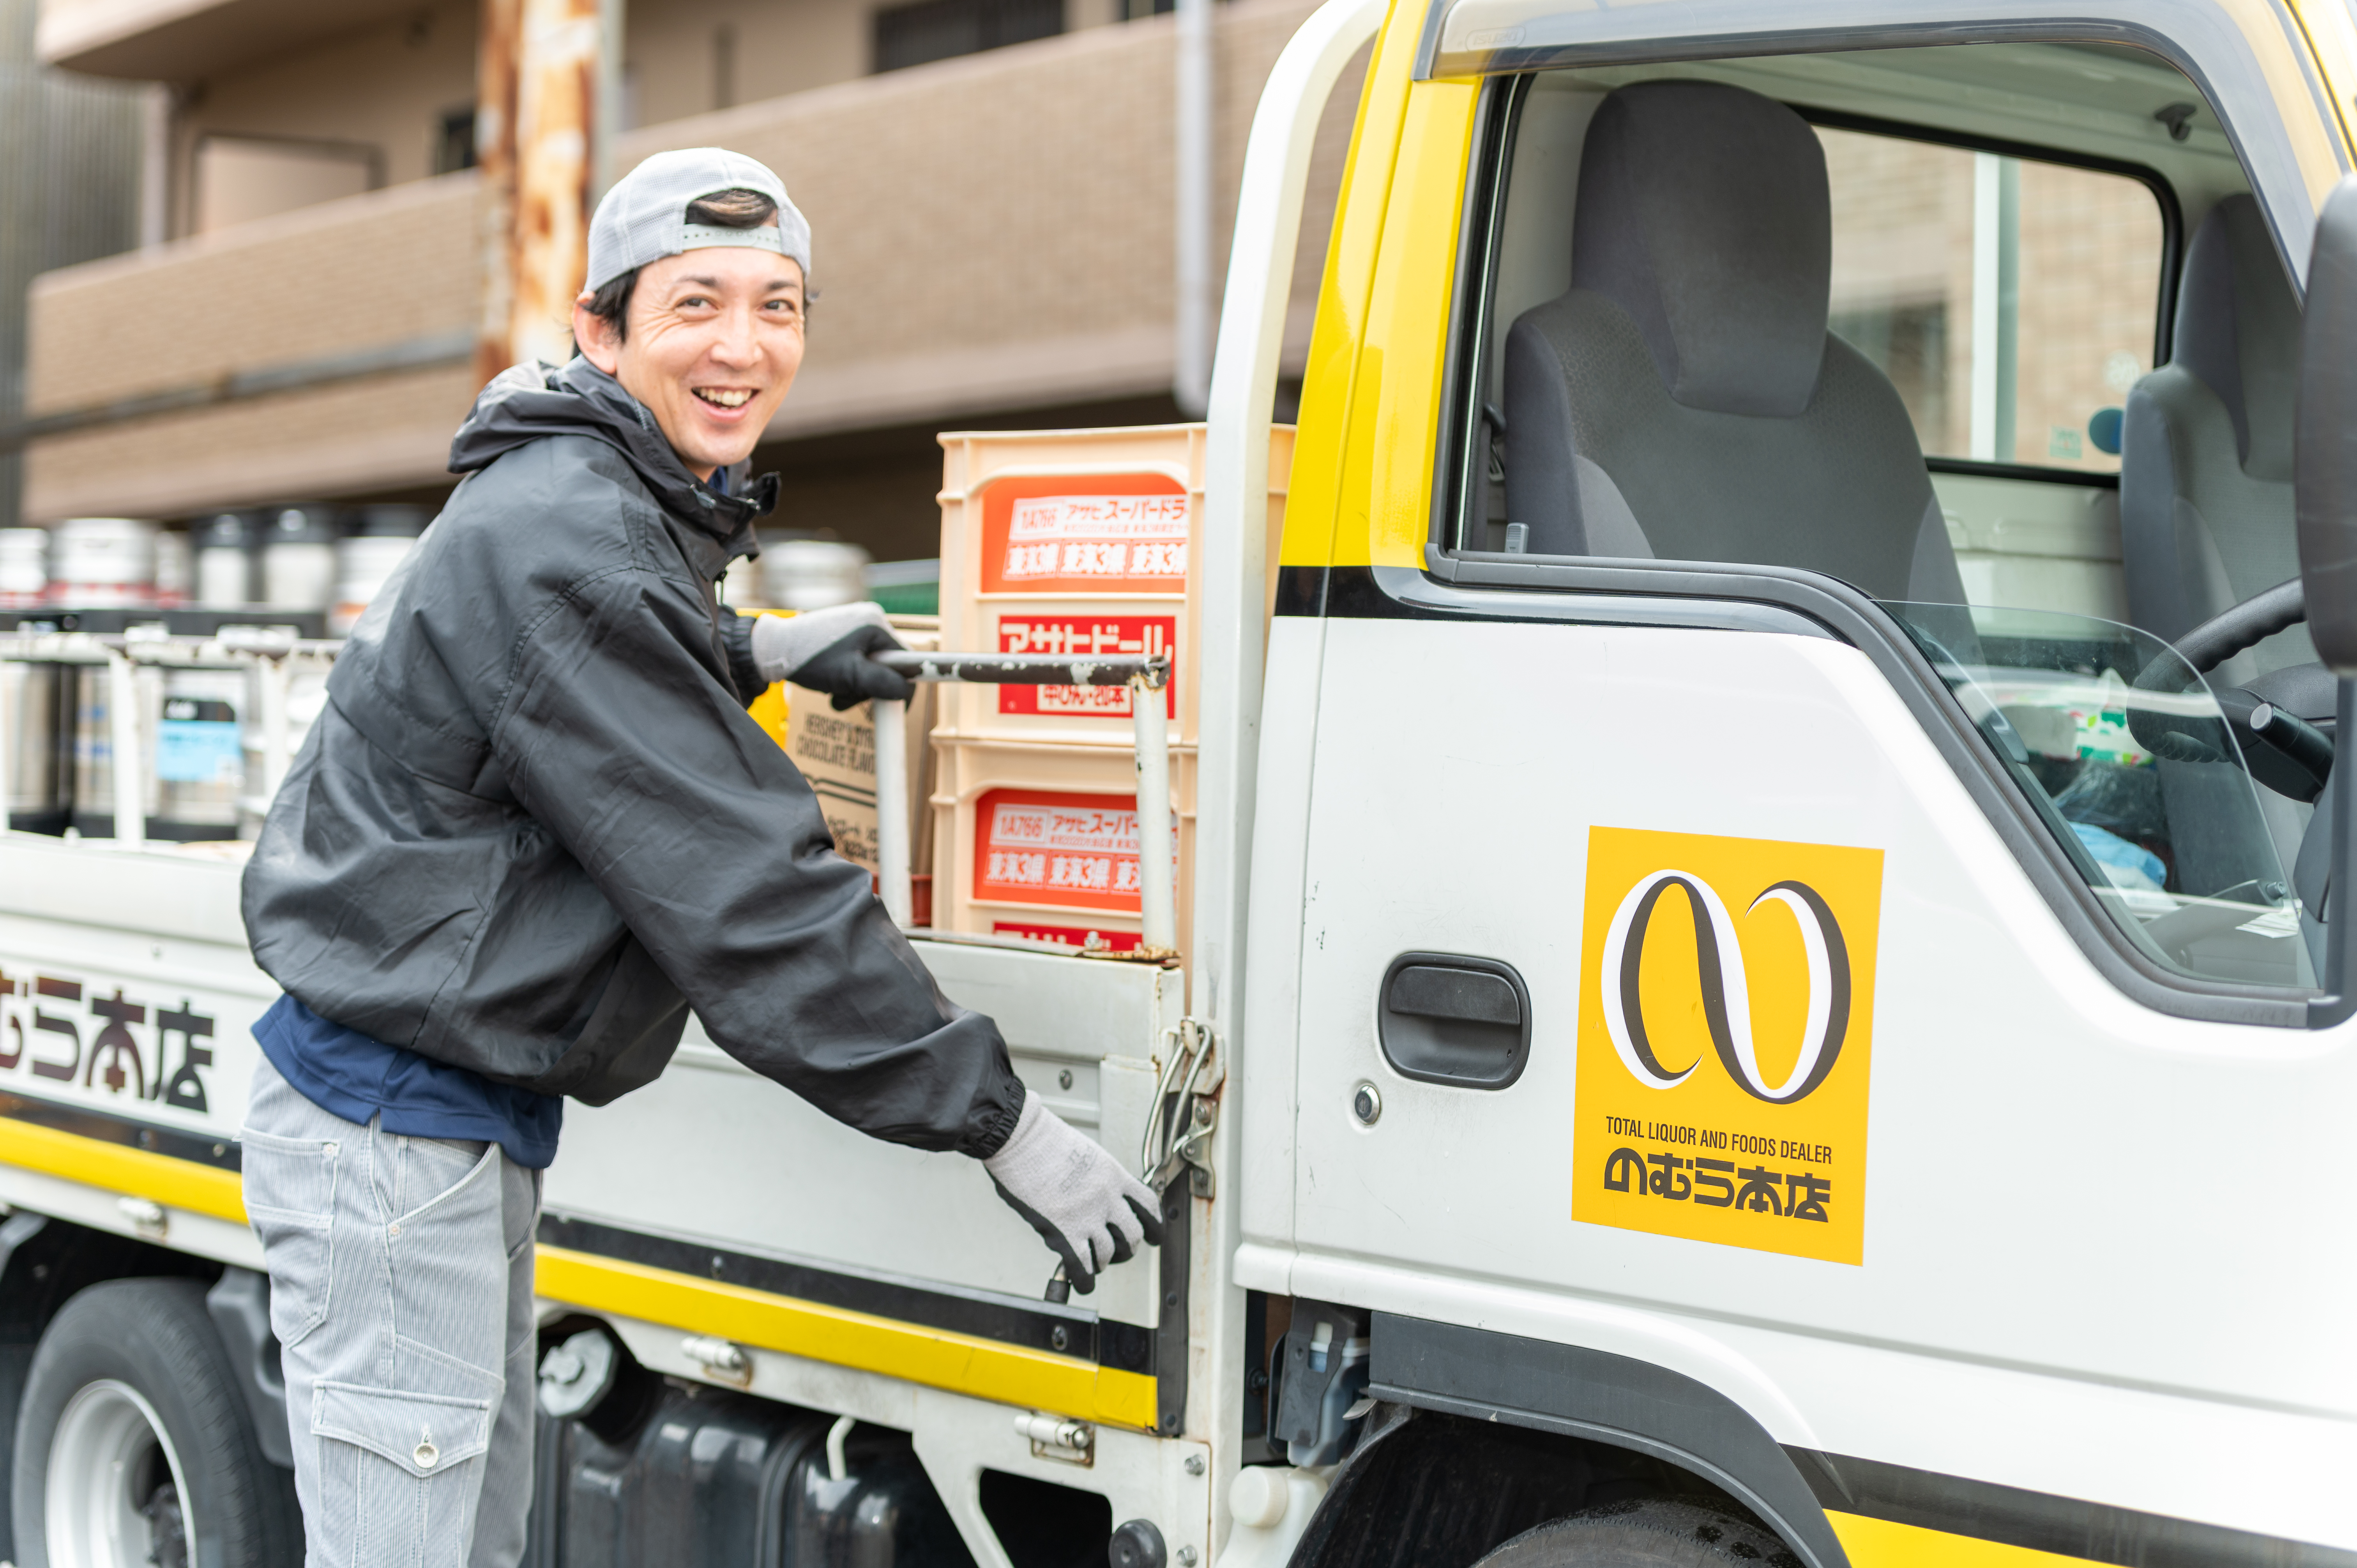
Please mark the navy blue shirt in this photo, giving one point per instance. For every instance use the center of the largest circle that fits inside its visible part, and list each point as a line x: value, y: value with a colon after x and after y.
x: 346, y: 1074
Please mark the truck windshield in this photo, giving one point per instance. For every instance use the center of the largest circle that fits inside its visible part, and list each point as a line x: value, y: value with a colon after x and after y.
x: 2127, y: 756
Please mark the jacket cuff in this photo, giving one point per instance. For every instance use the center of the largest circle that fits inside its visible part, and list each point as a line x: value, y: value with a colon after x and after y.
x: 737, y: 641
x: 992, y: 1125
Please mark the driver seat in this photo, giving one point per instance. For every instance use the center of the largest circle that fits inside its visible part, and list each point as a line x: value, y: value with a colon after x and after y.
x: 2205, y: 459
x: 1683, y: 400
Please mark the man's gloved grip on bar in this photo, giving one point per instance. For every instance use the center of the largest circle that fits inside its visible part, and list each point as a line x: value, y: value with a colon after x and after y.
x: 827, y: 650
x: 1090, y: 1211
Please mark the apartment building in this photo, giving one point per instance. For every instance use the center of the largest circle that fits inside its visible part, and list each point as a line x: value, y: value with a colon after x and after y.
x: 990, y: 184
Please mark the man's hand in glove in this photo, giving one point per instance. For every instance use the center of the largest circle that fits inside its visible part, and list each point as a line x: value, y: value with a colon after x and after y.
x: 1090, y: 1211
x: 827, y: 650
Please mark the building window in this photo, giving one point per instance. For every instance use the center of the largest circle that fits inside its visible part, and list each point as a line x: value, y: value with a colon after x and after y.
x: 2007, y: 299
x: 939, y: 30
x: 723, y: 66
x: 454, y: 140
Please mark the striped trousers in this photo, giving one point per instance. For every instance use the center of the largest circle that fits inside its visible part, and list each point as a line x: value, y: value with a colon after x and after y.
x: 401, y: 1294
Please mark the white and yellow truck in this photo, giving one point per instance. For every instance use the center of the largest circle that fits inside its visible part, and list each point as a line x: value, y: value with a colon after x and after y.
x: 1762, y: 982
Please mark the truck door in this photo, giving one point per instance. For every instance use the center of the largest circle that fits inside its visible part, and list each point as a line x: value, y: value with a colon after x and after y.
x: 1764, y: 911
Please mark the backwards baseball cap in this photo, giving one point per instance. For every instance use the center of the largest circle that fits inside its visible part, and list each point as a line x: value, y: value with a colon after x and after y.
x: 644, y: 217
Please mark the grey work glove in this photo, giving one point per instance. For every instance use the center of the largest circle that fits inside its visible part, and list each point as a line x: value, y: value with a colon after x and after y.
x: 1090, y: 1211
x: 827, y: 650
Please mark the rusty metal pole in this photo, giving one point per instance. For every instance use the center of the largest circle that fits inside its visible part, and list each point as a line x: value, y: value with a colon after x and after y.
x: 537, y: 141
x: 495, y: 142
x: 556, y: 136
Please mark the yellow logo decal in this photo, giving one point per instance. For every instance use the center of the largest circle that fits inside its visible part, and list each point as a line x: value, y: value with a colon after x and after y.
x: 1726, y: 1021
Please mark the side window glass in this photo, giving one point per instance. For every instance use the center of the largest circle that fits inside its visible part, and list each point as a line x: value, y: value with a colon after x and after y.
x: 1643, y: 375
x: 2011, y: 302
x: 1987, y: 311
x: 2138, y: 771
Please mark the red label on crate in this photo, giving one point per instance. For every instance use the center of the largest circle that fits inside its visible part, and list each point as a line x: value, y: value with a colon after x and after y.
x: 1085, y: 534
x: 1075, y: 635
x: 1066, y: 936
x: 1035, y: 846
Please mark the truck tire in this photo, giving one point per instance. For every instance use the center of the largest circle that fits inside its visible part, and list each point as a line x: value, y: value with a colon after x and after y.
x: 1643, y: 1535
x: 134, y: 1442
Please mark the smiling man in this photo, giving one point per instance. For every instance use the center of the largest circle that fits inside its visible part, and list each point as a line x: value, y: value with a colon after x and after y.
x: 532, y: 831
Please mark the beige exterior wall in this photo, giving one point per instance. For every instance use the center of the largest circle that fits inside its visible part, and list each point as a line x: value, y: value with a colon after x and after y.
x: 184, y: 41
x: 360, y: 274
x: 673, y: 52
x: 993, y: 233
x: 386, y: 81
x: 389, y: 432
x: 386, y: 86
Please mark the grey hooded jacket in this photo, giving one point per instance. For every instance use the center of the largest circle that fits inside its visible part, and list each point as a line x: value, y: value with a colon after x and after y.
x: 534, y: 825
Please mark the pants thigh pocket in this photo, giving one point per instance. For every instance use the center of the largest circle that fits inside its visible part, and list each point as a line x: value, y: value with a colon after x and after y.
x: 400, y: 1475
x: 290, y: 1200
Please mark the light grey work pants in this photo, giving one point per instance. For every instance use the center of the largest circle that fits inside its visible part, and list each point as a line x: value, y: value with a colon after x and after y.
x: 401, y: 1293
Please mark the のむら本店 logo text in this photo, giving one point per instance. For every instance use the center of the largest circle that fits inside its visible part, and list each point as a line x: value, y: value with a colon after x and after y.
x: 1724, y: 1040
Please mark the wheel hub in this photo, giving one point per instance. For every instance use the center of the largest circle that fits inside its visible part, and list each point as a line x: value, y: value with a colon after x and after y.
x: 117, y: 1495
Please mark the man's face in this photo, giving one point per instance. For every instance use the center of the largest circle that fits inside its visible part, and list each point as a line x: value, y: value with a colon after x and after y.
x: 715, y: 337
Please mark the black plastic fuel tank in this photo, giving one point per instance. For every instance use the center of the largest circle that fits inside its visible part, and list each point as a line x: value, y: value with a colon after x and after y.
x: 705, y: 1478
x: 884, y: 1513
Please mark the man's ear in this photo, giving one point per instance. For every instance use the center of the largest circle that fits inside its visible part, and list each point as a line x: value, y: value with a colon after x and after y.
x: 595, y: 336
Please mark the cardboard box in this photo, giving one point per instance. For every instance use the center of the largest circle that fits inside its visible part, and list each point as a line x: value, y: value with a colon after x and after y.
x: 835, y: 752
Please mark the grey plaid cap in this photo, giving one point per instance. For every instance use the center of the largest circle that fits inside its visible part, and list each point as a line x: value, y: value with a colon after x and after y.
x: 644, y: 217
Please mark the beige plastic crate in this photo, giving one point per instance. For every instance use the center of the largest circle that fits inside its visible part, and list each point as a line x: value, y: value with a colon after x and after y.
x: 1040, y: 839
x: 1078, y: 541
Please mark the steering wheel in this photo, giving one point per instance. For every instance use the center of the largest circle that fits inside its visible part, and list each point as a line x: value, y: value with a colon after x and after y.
x: 2298, y: 758
x: 2246, y: 625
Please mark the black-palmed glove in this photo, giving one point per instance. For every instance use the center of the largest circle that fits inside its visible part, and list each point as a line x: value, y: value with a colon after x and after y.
x: 827, y: 650
x: 1090, y: 1211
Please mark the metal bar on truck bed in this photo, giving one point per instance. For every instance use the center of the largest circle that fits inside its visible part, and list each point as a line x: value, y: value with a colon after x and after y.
x: 268, y: 652
x: 1157, y: 899
x: 892, y: 877
x: 234, y: 647
x: 1147, y: 680
x: 128, y: 767
x: 1029, y: 669
x: 12, y: 700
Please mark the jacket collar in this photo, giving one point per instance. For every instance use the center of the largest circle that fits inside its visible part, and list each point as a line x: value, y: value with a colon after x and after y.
x: 530, y: 402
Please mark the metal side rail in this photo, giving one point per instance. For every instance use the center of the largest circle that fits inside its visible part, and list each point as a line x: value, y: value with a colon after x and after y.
x: 270, y: 652
x: 1146, y: 678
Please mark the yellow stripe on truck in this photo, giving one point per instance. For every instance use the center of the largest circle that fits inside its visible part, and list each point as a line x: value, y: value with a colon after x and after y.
x: 1879, y: 1544
x: 960, y: 1363
x: 133, y: 1173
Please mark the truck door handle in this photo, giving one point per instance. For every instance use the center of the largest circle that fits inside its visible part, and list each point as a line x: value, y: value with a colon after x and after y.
x: 1447, y: 1018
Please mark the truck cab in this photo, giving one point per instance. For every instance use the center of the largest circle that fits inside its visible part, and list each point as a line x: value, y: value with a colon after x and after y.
x: 1793, y: 469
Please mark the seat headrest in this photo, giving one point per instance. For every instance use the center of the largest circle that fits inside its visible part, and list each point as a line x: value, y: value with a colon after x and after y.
x: 1702, y: 212
x: 2238, y: 330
